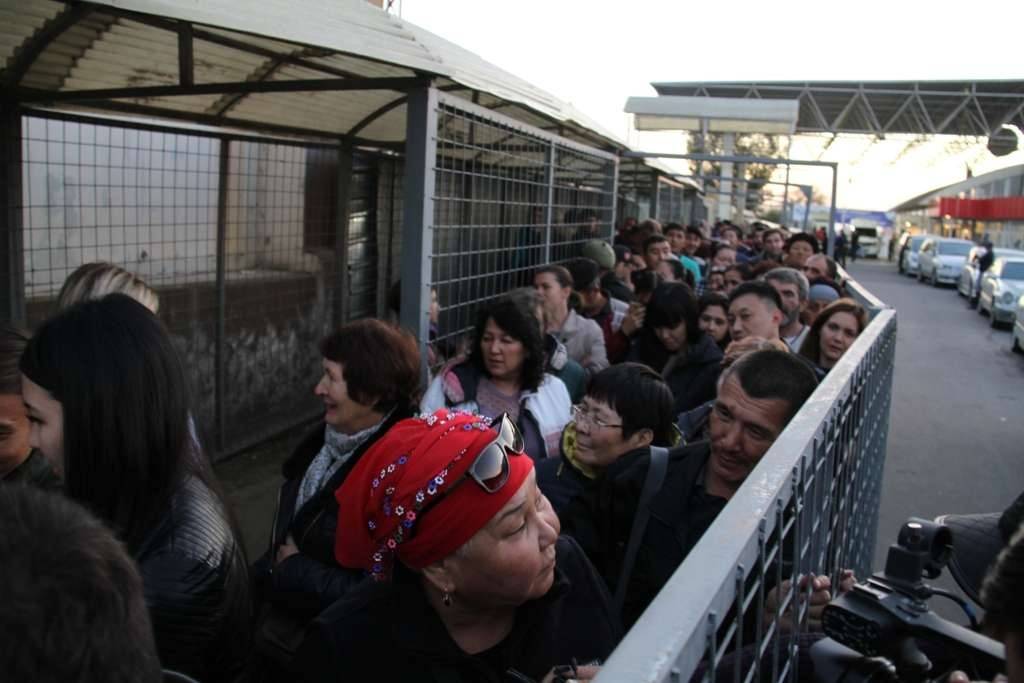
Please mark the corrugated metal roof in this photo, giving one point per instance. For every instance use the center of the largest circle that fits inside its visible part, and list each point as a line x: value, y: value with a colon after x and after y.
x: 114, y: 44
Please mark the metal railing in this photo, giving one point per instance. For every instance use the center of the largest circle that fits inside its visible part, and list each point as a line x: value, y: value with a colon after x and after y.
x: 493, y: 199
x: 810, y: 506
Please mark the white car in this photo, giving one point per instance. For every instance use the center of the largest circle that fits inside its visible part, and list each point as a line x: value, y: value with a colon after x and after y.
x: 1001, y: 287
x: 941, y: 259
x: 1017, y: 342
x: 968, y: 281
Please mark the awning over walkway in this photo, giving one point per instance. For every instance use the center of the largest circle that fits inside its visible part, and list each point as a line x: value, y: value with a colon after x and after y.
x: 301, y: 67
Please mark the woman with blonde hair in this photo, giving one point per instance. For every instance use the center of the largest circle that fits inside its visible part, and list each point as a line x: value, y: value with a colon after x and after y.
x: 96, y: 280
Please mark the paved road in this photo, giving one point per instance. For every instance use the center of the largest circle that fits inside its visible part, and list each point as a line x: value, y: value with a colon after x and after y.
x: 956, y: 440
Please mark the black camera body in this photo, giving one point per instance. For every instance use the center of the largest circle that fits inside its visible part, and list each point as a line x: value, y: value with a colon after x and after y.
x: 884, y: 617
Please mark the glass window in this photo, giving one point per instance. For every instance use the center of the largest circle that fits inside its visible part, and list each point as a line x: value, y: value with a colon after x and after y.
x: 954, y: 248
x: 1013, y: 270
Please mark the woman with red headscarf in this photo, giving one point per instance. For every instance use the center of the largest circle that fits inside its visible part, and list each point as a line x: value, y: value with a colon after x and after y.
x: 471, y: 580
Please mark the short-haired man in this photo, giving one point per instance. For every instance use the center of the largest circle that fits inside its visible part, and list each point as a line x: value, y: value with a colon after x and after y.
x: 656, y: 250
x: 800, y: 247
x: 599, y: 306
x: 723, y: 256
x: 757, y: 397
x: 793, y: 288
x: 618, y: 281
x: 626, y: 409
x: 774, y: 242
x: 676, y: 235
x: 755, y: 310
x: 73, y: 607
x: 821, y: 267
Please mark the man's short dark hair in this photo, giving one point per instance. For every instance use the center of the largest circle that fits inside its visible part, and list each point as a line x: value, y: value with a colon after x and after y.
x: 654, y: 239
x: 771, y: 231
x: 12, y: 344
x: 641, y: 398
x: 73, y: 607
x: 731, y: 228
x: 759, y: 288
x: 694, y: 230
x: 561, y: 274
x: 1002, y: 592
x: 674, y: 227
x: 584, y: 273
x: 802, y: 237
x: 622, y: 253
x: 644, y: 281
x: 719, y: 246
x: 773, y: 374
x: 671, y: 304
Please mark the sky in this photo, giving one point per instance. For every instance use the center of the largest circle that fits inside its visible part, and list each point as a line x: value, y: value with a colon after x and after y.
x: 596, y: 54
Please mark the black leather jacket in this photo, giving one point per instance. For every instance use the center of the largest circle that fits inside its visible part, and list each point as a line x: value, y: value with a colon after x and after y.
x: 196, y: 587
x: 308, y: 582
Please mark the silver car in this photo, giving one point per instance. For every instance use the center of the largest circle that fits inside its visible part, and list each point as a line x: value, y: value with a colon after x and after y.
x: 1001, y: 286
x: 941, y: 258
x: 968, y: 282
x: 1017, y: 342
x: 910, y: 253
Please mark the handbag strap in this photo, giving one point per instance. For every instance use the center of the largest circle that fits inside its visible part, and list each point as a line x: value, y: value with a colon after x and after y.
x: 652, y: 484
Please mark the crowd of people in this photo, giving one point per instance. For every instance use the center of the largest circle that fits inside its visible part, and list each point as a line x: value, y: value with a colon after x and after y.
x: 508, y: 521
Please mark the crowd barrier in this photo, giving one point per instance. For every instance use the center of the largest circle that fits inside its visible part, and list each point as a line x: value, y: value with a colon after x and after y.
x: 810, y: 506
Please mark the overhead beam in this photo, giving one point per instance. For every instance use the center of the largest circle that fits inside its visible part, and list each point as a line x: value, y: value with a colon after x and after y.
x: 27, y: 54
x: 242, y: 124
x: 35, y: 96
x: 186, y: 68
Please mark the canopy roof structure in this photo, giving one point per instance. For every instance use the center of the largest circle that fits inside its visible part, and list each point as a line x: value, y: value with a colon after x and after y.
x: 309, y: 68
x: 978, y: 108
x: 713, y: 114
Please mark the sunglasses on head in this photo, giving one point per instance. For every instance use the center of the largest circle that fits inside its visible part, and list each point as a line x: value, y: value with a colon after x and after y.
x: 491, y: 469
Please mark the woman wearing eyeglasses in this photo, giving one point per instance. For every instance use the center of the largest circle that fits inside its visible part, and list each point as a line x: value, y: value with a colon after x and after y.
x: 471, y: 580
x: 505, y: 375
x: 627, y: 408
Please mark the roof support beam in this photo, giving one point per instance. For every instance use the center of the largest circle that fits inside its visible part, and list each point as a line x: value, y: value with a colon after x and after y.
x: 239, y: 87
x: 1007, y: 118
x: 902, y: 108
x: 953, y: 114
x: 27, y: 54
x: 186, y: 70
x: 243, y: 124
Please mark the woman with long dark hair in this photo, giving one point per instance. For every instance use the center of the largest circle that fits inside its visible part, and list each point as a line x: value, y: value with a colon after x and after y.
x: 106, y: 395
x: 673, y: 345
x: 833, y: 331
x: 505, y: 375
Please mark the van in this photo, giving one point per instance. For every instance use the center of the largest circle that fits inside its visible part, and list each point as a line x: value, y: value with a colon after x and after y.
x: 869, y: 241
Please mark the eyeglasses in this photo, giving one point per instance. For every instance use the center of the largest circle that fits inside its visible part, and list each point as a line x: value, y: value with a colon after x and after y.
x: 582, y: 414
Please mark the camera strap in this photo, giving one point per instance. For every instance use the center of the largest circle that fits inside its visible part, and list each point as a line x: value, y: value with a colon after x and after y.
x: 652, y: 484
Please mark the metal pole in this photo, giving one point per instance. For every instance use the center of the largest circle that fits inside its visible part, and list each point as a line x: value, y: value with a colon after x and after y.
x: 785, y: 196
x: 808, y: 192
x: 549, y: 202
x: 725, y: 173
x: 418, y: 218
x: 832, y: 214
x: 656, y: 195
x: 12, y: 271
x: 219, y: 360
x: 611, y: 188
x: 344, y: 192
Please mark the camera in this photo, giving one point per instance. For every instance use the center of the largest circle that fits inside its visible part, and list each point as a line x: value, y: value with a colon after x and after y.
x: 883, y: 629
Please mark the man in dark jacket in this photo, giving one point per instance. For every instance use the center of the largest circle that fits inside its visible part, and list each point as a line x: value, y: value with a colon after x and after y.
x: 758, y: 395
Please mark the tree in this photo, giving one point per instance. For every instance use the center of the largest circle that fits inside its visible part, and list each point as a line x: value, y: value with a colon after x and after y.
x: 747, y: 144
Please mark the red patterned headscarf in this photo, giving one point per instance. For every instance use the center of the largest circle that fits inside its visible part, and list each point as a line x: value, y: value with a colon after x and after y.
x: 416, y: 462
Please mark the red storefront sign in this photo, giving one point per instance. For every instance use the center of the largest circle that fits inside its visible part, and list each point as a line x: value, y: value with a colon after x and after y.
x: 995, y: 208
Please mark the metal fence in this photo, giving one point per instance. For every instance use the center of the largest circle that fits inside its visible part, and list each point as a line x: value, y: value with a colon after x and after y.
x: 256, y: 248
x: 505, y: 198
x: 810, y: 506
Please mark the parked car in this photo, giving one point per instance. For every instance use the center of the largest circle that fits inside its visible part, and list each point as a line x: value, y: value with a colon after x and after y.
x: 1017, y: 342
x: 1001, y: 286
x: 908, y: 262
x: 968, y: 281
x: 868, y: 240
x: 941, y: 258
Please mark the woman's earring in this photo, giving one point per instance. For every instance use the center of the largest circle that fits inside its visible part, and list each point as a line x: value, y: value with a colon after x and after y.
x: 446, y: 599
